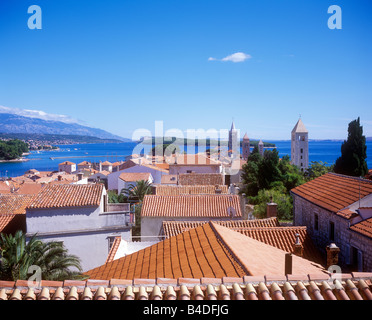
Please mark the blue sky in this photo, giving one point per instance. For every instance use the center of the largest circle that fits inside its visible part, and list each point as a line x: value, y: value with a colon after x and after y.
x: 122, y: 65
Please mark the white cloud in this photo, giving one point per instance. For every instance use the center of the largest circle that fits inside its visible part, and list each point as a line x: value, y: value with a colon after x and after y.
x: 38, y: 114
x: 235, y: 57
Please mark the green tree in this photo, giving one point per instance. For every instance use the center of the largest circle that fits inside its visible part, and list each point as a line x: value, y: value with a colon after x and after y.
x: 113, y: 197
x: 268, y: 176
x: 138, y: 190
x: 12, y: 149
x: 317, y: 169
x: 250, y: 173
x: 353, y: 152
x: 282, y: 199
x: 17, y: 257
x: 268, y: 168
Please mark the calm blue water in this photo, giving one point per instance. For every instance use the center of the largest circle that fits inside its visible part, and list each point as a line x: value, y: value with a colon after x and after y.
x: 325, y: 150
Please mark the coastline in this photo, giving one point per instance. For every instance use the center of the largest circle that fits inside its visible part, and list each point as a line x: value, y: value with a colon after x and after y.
x: 15, y: 160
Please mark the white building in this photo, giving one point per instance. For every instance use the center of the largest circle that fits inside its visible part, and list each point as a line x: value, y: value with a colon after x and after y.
x: 156, y: 173
x: 67, y: 166
x: 80, y: 217
x: 126, y: 179
x: 193, y: 163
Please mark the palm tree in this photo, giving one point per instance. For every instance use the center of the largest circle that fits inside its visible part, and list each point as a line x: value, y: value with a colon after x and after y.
x: 137, y: 190
x: 51, y: 257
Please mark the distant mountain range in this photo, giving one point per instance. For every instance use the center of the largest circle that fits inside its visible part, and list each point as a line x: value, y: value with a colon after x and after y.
x: 12, y: 123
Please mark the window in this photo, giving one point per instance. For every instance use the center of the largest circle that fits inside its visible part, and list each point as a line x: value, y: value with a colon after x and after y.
x: 302, y: 150
x: 316, y: 222
x: 111, y: 240
x: 331, y: 231
x: 105, y: 200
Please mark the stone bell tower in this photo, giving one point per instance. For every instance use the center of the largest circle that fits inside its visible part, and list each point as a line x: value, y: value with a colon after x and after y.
x: 300, y: 146
x: 246, y: 147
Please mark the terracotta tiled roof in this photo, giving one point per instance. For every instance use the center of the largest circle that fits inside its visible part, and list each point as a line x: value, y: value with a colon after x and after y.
x: 210, y: 250
x: 169, y: 179
x: 162, y: 190
x: 173, y: 228
x: 334, y: 192
x: 67, y: 163
x: 113, y: 249
x: 106, y: 163
x: 201, y: 179
x: 364, y: 227
x: 265, y: 230
x: 134, y: 176
x: 190, y: 160
x: 84, y: 163
x: 196, y: 253
x: 212, y: 205
x: 355, y: 286
x: 12, y: 211
x: 284, y: 238
x: 59, y: 195
x: 14, y: 204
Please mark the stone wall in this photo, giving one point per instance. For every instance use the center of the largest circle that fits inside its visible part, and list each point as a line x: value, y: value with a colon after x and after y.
x: 305, y: 215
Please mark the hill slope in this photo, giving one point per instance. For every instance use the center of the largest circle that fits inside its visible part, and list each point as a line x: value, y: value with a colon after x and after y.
x: 12, y: 123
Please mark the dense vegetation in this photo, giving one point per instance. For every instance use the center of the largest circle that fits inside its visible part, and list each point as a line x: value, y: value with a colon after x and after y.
x: 57, y: 138
x: 12, y: 149
x: 202, y: 142
x: 19, y: 260
x: 353, y: 152
x: 135, y: 193
x: 267, y: 178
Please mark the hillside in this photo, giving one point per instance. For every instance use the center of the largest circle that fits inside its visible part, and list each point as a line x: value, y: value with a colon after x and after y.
x: 12, y: 123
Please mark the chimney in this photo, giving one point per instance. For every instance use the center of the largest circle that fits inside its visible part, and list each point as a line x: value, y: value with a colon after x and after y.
x: 217, y: 189
x: 59, y: 178
x: 298, y: 249
x: 288, y: 263
x: 271, y: 209
x: 332, y: 254
x: 243, y: 202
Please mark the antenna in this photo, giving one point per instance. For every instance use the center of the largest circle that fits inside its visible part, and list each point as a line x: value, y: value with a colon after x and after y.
x: 360, y: 178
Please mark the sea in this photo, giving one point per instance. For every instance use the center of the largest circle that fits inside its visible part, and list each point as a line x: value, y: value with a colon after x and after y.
x: 319, y: 150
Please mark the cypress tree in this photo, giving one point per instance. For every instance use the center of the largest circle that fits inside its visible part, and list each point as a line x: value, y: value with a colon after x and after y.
x: 353, y: 152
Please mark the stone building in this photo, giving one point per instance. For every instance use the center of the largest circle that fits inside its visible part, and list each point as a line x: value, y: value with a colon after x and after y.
x: 337, y: 209
x: 300, y: 146
x: 233, y: 143
x: 246, y: 147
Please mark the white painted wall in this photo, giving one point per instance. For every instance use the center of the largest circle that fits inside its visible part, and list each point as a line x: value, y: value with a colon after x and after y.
x: 83, y: 230
x: 113, y: 178
x: 124, y: 184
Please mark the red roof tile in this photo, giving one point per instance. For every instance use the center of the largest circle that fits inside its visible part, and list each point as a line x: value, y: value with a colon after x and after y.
x: 12, y: 211
x: 252, y: 288
x: 164, y: 190
x: 265, y: 230
x: 201, y: 179
x: 216, y: 205
x: 173, y: 228
x: 334, y: 192
x: 364, y: 227
x: 209, y: 251
x: 57, y: 196
x: 134, y: 176
x: 14, y: 203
